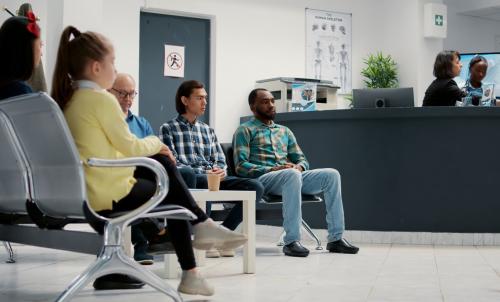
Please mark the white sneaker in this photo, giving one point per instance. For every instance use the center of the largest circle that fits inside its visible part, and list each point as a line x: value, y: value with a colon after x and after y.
x: 213, y: 253
x: 226, y: 253
x: 192, y: 283
x: 209, y: 234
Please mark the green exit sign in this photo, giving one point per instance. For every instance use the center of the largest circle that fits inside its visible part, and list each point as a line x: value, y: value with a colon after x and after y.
x: 438, y: 20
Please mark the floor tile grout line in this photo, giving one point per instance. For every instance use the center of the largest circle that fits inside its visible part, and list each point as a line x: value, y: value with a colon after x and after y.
x: 497, y: 273
x: 438, y: 274
x: 374, y: 276
x: 379, y: 271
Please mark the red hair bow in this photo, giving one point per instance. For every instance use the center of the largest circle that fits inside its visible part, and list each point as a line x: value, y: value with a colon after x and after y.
x: 32, y: 26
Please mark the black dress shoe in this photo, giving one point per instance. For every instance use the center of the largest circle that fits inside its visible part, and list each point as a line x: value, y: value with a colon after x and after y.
x: 160, y: 244
x: 141, y: 255
x: 341, y: 246
x: 295, y: 249
x: 117, y: 281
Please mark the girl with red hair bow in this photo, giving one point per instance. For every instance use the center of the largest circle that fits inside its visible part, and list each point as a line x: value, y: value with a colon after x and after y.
x: 20, y: 53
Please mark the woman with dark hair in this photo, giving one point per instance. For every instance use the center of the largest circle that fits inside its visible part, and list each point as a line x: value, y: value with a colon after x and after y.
x: 478, y: 66
x: 444, y: 91
x: 20, y: 52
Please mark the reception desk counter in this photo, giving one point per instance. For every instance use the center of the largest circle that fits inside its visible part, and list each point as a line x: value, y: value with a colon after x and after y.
x: 407, y: 169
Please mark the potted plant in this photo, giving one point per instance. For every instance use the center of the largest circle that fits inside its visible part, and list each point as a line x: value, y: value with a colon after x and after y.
x: 380, y: 71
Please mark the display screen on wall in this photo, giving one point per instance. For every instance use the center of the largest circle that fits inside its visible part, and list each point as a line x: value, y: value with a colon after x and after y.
x: 328, y: 47
x: 492, y: 74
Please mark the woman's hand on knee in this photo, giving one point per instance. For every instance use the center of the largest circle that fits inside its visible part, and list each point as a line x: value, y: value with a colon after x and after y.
x: 167, y: 152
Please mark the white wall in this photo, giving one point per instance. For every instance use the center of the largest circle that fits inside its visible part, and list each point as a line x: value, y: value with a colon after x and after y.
x: 428, y: 48
x: 53, y: 29
x: 85, y: 15
x: 468, y: 5
x: 260, y: 39
x: 470, y: 34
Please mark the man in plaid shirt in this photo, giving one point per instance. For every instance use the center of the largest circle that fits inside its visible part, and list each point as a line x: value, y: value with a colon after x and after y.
x: 198, y: 152
x: 269, y: 152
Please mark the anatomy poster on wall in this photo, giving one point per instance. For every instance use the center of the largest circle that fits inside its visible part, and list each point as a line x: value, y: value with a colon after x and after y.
x: 328, y: 47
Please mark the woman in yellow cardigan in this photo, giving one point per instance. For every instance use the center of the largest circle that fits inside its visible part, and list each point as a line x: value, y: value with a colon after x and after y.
x: 84, y: 69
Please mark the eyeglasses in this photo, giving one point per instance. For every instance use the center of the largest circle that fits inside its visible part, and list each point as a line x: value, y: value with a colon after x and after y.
x: 123, y: 94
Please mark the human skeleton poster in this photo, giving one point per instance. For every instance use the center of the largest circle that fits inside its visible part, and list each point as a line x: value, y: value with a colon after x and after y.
x: 328, y: 47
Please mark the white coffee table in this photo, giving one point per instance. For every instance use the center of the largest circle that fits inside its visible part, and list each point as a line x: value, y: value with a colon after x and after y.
x: 248, y: 227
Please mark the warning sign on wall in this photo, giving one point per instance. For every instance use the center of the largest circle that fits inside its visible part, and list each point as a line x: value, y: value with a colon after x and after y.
x: 174, y: 61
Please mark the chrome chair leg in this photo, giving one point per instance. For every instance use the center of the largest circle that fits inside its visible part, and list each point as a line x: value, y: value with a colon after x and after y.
x: 92, y: 272
x: 312, y: 235
x: 281, y: 241
x: 113, y: 260
x: 10, y: 251
x: 307, y: 228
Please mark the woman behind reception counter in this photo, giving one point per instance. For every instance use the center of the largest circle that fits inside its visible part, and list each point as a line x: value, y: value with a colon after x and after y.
x: 444, y: 91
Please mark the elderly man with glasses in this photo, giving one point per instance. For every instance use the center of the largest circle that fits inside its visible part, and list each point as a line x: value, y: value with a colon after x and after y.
x: 124, y: 89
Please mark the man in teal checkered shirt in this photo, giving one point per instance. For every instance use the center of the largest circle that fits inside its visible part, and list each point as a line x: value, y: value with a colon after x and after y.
x: 269, y: 152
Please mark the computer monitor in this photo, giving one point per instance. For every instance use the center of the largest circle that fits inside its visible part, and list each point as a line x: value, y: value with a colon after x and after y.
x: 382, y: 97
x: 492, y: 75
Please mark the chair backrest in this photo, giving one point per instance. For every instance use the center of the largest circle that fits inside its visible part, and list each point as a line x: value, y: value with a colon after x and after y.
x: 227, y: 148
x: 14, y: 189
x: 57, y: 181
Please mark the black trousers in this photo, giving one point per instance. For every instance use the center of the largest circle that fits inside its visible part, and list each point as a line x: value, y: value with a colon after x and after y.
x: 178, y: 191
x: 178, y: 194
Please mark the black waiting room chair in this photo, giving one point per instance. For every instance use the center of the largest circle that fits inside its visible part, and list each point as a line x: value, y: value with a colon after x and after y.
x: 42, y: 178
x: 270, y: 207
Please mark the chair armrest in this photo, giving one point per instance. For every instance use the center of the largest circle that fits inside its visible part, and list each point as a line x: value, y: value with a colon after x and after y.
x: 271, y: 198
x: 161, y: 183
x: 168, y: 211
x: 311, y: 198
x: 306, y: 198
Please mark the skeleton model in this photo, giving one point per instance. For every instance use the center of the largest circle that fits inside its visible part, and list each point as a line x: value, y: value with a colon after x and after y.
x: 331, y: 50
x: 317, y: 61
x: 344, y: 60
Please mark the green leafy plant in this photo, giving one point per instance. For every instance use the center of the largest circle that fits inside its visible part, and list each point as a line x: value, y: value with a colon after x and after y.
x: 348, y: 98
x: 380, y: 71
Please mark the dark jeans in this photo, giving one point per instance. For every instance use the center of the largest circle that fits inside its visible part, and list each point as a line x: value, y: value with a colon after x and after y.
x: 188, y: 176
x: 235, y: 216
x: 178, y: 194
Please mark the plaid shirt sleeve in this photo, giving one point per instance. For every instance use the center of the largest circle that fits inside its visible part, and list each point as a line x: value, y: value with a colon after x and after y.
x: 241, y: 146
x: 219, y: 159
x: 166, y: 138
x: 295, y: 154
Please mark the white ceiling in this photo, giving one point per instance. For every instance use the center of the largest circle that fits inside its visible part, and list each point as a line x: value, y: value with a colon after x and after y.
x: 489, y: 13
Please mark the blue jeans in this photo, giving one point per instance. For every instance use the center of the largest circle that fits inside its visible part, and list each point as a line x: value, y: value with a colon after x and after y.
x: 291, y: 183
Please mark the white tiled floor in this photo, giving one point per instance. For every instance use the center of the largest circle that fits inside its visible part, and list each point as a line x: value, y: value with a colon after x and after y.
x: 380, y: 272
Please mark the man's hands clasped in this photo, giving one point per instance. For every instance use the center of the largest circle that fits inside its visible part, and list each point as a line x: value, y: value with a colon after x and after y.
x: 287, y: 166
